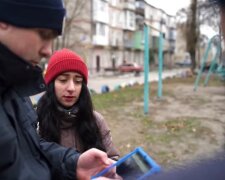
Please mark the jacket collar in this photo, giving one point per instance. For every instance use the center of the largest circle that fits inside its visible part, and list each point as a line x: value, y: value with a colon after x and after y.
x: 16, y: 73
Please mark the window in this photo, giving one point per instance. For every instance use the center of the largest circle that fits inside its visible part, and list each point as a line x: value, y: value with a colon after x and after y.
x: 101, y: 29
x: 130, y: 19
x: 94, y: 29
x: 102, y: 6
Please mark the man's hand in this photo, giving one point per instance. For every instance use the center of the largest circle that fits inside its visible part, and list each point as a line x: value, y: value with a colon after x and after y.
x: 91, y: 162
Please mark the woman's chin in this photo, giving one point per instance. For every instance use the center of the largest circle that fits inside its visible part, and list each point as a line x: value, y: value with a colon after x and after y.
x: 68, y: 104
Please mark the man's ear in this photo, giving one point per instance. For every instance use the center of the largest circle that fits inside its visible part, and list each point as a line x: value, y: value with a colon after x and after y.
x: 3, y: 25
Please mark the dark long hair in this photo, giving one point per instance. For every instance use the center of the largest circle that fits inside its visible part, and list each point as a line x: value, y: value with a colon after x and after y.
x: 85, y: 121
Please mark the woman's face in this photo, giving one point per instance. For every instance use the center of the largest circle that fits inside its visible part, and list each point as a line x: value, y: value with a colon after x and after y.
x: 68, y: 87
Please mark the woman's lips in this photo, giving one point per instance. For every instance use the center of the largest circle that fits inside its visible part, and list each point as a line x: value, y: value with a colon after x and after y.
x: 68, y: 98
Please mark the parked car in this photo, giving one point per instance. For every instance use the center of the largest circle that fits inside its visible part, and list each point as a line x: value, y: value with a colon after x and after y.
x: 130, y: 67
x: 184, y: 63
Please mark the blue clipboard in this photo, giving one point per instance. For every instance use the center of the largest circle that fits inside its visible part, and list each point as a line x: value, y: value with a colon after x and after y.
x: 135, y: 165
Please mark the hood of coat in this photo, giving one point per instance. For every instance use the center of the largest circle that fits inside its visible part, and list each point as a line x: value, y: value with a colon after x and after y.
x: 16, y: 73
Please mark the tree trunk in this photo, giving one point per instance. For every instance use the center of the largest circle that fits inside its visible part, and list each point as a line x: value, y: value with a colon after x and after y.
x: 191, y: 34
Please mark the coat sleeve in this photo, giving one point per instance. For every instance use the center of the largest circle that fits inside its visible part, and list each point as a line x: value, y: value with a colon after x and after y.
x: 207, y: 169
x: 62, y: 160
x: 111, y: 151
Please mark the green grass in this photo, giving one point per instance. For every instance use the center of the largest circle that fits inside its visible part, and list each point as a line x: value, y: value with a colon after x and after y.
x: 118, y: 98
x: 135, y: 93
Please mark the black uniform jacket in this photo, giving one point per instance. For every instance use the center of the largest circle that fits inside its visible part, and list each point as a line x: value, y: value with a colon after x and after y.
x: 23, y: 156
x: 207, y: 169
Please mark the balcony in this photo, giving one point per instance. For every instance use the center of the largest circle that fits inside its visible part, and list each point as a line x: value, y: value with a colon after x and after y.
x: 139, y: 40
x: 172, y: 34
x: 140, y: 7
x: 128, y: 39
x: 129, y: 5
x: 99, y: 40
x: 115, y: 43
x: 139, y: 22
x: 128, y: 43
x: 101, y: 17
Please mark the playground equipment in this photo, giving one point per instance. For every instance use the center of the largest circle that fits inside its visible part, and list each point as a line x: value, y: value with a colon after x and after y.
x: 146, y: 66
x: 217, y: 66
x: 146, y: 70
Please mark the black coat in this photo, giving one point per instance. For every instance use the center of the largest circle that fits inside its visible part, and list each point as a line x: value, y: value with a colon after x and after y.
x: 207, y: 169
x: 22, y: 155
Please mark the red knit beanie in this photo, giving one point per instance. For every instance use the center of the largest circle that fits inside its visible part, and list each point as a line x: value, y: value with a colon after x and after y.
x: 62, y: 61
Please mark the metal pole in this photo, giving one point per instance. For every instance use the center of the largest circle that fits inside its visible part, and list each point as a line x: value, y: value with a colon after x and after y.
x: 212, y: 66
x: 160, y: 64
x: 146, y: 69
x: 203, y: 63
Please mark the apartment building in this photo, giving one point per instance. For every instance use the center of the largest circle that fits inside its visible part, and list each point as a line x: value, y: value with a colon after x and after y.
x: 108, y: 32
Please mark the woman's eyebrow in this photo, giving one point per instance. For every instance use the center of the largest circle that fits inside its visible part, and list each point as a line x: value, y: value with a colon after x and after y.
x: 78, y: 76
x: 66, y: 75
x: 63, y: 75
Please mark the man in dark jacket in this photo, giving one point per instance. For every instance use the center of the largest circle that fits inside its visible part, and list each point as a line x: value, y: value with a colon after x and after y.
x: 27, y: 29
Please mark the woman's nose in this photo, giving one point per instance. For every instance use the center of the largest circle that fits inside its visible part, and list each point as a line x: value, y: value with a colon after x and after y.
x: 71, y: 86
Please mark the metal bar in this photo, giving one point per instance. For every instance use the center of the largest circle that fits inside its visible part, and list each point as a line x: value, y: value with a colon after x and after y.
x: 203, y: 64
x: 160, y: 64
x: 146, y: 69
x: 213, y: 63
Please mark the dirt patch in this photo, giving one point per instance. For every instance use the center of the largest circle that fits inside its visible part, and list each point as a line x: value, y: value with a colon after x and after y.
x: 196, y: 118
x: 180, y: 127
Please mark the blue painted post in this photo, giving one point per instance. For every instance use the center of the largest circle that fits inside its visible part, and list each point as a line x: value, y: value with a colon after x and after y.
x: 146, y: 69
x: 212, y: 66
x: 160, y: 64
x: 203, y: 63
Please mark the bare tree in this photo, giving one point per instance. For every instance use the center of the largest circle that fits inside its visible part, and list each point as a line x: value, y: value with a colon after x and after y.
x: 200, y: 12
x: 73, y: 30
x: 192, y: 32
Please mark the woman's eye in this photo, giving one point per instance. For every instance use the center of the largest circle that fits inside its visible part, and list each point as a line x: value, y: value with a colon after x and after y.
x: 78, y: 81
x: 62, y: 80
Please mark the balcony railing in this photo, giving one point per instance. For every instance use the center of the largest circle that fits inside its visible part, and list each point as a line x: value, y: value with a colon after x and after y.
x: 129, y: 5
x: 128, y: 44
x: 140, y: 4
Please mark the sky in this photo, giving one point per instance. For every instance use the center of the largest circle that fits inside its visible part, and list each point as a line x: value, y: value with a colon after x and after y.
x: 170, y: 6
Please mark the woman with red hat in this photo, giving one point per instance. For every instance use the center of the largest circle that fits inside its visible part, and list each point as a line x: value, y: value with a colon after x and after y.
x: 65, y: 111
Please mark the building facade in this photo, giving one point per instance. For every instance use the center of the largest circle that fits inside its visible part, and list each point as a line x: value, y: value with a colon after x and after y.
x: 108, y: 32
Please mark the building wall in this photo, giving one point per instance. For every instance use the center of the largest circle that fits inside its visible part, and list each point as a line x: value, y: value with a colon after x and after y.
x: 108, y: 32
x: 116, y: 21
